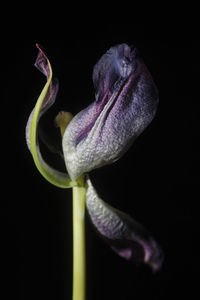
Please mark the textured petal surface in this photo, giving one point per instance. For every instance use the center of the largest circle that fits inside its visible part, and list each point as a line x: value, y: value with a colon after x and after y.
x: 45, y: 100
x: 127, y: 238
x: 126, y: 102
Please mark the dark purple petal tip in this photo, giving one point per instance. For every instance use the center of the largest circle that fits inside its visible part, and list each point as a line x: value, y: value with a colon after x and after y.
x: 127, y: 237
x: 43, y: 65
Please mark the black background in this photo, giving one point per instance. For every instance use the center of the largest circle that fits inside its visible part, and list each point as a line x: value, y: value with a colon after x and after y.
x: 157, y: 180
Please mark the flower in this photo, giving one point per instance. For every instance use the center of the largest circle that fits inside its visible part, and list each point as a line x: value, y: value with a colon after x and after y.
x: 125, y: 104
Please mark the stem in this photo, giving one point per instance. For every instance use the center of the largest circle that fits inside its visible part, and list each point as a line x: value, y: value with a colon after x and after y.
x: 79, y: 199
x: 79, y: 241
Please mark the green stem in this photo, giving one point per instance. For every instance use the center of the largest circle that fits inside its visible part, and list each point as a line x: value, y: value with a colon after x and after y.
x: 79, y: 241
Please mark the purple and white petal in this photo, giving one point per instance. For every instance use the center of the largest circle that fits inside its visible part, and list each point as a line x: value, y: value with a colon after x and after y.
x: 126, y: 102
x: 127, y: 237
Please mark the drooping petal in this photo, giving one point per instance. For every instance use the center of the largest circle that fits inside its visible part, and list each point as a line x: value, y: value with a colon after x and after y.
x: 45, y: 100
x: 127, y: 237
x: 126, y: 102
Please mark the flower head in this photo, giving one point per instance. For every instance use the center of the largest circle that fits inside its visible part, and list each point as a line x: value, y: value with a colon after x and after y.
x: 125, y: 103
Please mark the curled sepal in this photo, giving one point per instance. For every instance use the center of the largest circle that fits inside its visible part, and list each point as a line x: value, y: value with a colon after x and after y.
x: 127, y: 237
x: 45, y: 100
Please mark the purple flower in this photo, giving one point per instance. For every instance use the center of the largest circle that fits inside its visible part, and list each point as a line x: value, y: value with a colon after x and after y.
x: 125, y: 104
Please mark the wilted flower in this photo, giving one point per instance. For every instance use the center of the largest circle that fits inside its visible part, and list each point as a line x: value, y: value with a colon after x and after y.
x: 126, y: 102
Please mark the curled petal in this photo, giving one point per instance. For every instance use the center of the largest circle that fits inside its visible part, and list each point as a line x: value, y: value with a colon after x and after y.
x: 127, y: 237
x: 126, y: 102
x: 45, y: 100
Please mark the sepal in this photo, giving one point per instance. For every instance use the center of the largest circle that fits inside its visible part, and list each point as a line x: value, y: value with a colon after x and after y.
x: 44, y: 102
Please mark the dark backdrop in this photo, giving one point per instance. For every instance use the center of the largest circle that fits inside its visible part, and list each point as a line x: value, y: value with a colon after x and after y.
x: 157, y: 181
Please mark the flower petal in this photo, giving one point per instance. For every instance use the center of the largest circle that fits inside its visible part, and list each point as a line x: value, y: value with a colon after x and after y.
x: 45, y: 100
x: 126, y: 102
x: 127, y: 237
